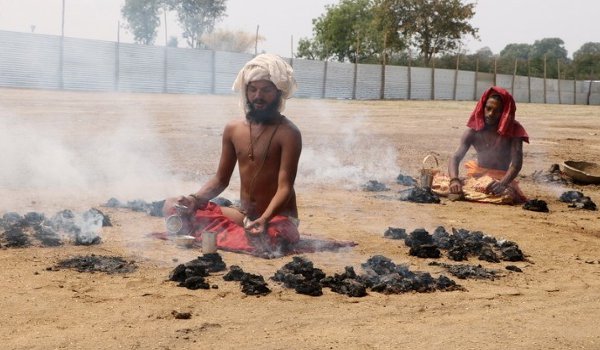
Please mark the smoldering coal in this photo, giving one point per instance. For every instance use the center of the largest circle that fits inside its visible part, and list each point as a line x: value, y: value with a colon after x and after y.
x: 380, y: 275
x: 35, y: 229
x: 406, y: 180
x: 577, y: 200
x: 537, y: 205
x: 302, y: 276
x: 374, y: 186
x: 252, y: 284
x: 418, y: 195
x: 460, y: 245
x: 191, y: 274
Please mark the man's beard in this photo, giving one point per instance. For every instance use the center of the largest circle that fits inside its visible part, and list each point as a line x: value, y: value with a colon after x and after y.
x: 267, y: 115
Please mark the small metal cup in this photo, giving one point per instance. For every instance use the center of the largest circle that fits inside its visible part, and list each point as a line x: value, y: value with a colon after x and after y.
x: 209, y: 242
x: 427, y: 178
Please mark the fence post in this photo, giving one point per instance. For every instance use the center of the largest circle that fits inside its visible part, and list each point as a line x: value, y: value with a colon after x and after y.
x: 117, y: 63
x: 456, y: 74
x: 574, y: 91
x: 495, y: 70
x: 433, y: 77
x: 213, y: 83
x: 528, y: 80
x: 545, y: 98
x: 383, y: 62
x: 589, y: 94
x: 558, y: 69
x: 355, y: 69
x: 512, y: 83
x: 409, y: 76
x: 324, y: 91
x: 476, y: 76
x: 165, y: 69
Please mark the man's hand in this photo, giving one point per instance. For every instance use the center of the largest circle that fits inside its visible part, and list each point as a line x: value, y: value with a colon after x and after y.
x: 186, y: 205
x: 255, y: 227
x: 455, y: 186
x: 497, y: 188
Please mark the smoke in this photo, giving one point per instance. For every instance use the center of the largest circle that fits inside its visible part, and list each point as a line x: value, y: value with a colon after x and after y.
x: 126, y: 160
x: 349, y: 156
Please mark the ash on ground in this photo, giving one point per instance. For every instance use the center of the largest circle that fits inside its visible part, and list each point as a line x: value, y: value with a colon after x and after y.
x: 191, y: 275
x: 465, y: 271
x: 577, y: 200
x: 406, y: 180
x: 536, y: 205
x: 97, y: 263
x: 156, y: 208
x: 380, y: 275
x: 66, y: 226
x: 251, y: 284
x: 374, y: 186
x: 419, y: 195
x: 152, y: 209
x: 552, y: 175
x: 459, y: 246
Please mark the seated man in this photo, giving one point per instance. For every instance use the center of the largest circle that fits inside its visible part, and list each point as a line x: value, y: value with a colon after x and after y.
x: 498, y: 140
x: 266, y: 146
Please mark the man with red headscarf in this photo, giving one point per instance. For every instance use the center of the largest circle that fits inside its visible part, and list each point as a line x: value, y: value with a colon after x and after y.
x: 498, y: 140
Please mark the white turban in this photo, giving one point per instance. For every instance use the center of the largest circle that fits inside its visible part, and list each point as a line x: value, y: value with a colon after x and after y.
x: 267, y: 67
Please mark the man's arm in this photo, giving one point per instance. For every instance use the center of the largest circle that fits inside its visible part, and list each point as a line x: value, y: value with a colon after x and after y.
x: 516, y: 163
x: 465, y: 143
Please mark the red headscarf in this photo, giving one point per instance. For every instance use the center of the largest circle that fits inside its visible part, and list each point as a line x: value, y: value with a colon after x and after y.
x: 508, y: 126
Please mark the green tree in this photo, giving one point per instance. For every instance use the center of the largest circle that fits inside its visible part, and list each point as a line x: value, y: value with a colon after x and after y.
x: 586, y: 61
x: 197, y: 17
x: 142, y: 18
x: 338, y: 32
x: 434, y: 26
x: 552, y: 51
x: 512, y: 52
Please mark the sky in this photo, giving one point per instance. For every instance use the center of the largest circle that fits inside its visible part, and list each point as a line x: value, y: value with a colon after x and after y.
x: 283, y: 22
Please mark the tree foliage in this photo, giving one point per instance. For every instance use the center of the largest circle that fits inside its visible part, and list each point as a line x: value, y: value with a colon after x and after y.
x: 142, y: 18
x: 435, y: 26
x: 341, y: 33
x: 361, y: 29
x: 586, y: 60
x: 197, y: 17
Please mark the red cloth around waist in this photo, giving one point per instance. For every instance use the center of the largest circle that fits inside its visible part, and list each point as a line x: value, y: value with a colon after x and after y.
x: 281, y: 232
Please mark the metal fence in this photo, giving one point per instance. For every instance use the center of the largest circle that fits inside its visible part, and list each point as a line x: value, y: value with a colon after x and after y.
x: 52, y: 62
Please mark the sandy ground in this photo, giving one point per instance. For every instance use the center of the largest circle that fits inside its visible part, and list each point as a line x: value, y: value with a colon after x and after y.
x: 69, y: 150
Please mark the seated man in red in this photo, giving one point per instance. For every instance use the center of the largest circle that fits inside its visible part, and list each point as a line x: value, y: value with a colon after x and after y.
x: 498, y: 140
x: 266, y: 146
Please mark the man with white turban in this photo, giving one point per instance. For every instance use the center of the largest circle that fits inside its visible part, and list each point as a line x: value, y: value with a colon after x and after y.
x: 266, y: 146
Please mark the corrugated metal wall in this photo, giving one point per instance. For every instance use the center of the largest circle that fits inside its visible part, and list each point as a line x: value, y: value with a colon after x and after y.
x: 51, y: 62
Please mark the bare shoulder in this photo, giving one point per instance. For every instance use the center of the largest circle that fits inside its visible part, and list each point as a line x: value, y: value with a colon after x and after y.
x: 290, y: 128
x: 233, y: 125
x: 469, y: 135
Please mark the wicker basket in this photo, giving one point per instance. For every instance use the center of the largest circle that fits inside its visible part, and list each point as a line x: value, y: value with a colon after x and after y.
x: 427, y: 174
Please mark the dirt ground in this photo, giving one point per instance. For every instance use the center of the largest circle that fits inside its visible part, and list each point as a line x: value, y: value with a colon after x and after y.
x: 76, y: 150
